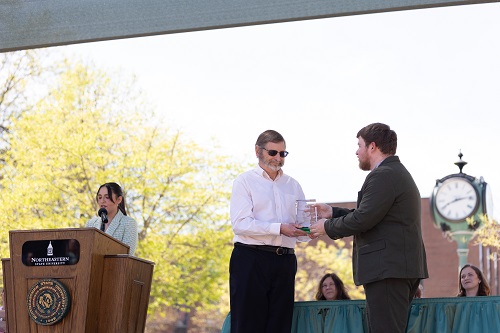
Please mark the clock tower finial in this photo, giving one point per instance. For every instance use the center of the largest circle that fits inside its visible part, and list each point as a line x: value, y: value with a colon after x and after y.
x: 460, y: 163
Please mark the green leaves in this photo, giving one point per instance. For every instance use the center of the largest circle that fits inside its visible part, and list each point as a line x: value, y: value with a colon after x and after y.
x: 91, y: 129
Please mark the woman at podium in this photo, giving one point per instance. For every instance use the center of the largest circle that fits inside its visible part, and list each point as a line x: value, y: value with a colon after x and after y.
x: 113, y: 218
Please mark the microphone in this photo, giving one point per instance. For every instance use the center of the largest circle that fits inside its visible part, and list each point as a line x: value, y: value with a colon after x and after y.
x: 103, y: 213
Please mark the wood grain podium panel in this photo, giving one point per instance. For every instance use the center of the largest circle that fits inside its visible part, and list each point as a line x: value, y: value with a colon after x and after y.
x: 83, y: 280
x: 126, y: 287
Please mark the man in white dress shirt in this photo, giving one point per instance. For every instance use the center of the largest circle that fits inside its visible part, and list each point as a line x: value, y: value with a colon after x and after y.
x: 263, y: 263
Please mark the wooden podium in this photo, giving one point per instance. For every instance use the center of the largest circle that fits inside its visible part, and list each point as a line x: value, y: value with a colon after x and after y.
x: 72, y: 281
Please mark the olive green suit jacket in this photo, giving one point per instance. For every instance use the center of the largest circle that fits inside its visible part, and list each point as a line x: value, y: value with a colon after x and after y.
x: 386, y: 226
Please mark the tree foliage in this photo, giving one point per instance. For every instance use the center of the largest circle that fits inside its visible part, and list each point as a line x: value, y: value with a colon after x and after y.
x: 488, y: 234
x: 18, y: 72
x: 90, y: 129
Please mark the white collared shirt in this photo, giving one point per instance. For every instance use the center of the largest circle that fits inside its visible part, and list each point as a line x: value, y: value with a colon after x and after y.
x: 259, y: 205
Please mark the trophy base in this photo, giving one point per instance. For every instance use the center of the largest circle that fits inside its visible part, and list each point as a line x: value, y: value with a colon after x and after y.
x: 306, y: 229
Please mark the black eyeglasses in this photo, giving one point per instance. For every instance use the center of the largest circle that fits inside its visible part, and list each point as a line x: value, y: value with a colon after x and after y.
x: 273, y: 152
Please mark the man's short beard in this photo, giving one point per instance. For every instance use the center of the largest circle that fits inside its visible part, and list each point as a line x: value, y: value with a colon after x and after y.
x: 273, y: 167
x: 364, y: 165
x: 267, y: 164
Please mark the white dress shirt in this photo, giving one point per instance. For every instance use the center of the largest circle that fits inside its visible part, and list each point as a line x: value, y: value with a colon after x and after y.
x: 259, y: 205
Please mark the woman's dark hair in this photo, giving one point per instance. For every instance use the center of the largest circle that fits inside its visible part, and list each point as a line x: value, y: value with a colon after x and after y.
x: 117, y: 190
x: 484, y: 287
x: 385, y: 138
x: 339, y: 285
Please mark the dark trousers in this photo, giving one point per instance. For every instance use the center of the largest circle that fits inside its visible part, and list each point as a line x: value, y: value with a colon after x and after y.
x: 387, y: 304
x: 262, y: 291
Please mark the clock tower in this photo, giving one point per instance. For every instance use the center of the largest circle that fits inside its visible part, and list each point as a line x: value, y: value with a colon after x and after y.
x: 459, y: 203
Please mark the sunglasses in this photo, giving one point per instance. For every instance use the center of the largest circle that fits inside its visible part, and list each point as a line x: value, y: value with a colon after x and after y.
x: 273, y: 152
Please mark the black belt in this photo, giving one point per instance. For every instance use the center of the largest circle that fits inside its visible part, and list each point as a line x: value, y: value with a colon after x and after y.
x: 269, y: 248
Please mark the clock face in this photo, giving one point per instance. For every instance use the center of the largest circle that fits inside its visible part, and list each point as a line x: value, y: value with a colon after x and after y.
x: 456, y: 199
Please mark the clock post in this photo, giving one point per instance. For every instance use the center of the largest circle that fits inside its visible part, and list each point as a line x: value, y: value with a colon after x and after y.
x: 458, y: 203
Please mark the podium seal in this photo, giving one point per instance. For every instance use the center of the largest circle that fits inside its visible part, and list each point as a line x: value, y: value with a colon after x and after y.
x: 48, y: 302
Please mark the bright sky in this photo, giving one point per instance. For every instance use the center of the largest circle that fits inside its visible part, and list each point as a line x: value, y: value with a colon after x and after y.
x: 433, y: 75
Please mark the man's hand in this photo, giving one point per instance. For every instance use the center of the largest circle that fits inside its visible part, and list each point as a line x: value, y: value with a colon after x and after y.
x: 292, y: 230
x: 318, y: 229
x: 324, y: 210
